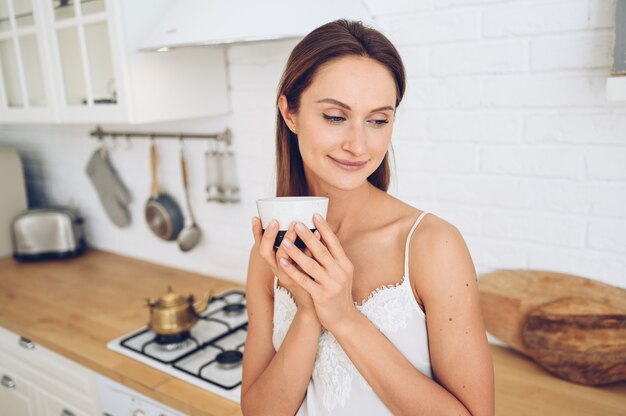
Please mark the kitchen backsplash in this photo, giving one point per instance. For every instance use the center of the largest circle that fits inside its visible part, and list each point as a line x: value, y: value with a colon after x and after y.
x: 504, y: 131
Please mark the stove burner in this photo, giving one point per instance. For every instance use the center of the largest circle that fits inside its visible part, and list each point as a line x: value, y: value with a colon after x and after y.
x: 233, y: 309
x: 222, y: 331
x: 229, y: 359
x: 172, y: 342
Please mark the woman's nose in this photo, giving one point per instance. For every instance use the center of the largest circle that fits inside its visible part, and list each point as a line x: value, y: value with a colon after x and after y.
x: 354, y: 141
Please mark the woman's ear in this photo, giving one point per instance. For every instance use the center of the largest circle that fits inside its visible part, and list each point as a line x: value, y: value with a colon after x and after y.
x: 289, y: 117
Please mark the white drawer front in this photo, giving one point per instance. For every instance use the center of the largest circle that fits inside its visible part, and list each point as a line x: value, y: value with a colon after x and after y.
x: 17, y: 397
x: 56, y: 368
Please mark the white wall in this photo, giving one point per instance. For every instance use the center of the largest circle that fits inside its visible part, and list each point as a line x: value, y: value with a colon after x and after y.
x: 504, y: 131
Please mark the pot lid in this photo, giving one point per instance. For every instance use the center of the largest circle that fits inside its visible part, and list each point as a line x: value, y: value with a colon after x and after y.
x: 171, y: 298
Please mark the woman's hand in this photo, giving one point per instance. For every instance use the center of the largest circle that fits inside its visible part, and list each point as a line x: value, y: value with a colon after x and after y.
x: 326, y: 275
x: 264, y: 240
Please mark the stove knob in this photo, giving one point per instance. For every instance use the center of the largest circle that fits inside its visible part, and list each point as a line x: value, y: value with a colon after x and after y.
x: 138, y: 412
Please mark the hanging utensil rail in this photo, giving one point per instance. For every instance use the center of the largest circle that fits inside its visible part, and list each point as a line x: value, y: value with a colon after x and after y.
x: 225, y: 136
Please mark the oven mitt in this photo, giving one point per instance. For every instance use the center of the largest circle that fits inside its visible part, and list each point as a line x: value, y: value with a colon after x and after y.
x: 113, y: 194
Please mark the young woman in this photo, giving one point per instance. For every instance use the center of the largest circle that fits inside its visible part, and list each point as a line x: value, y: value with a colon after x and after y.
x: 380, y: 314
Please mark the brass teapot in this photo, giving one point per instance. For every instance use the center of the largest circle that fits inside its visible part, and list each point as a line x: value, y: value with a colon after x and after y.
x: 173, y: 314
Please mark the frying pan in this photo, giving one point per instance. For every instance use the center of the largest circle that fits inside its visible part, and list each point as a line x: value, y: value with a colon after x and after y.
x: 162, y: 213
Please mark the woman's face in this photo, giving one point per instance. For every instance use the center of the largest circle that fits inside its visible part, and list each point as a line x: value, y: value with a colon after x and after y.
x: 344, y: 122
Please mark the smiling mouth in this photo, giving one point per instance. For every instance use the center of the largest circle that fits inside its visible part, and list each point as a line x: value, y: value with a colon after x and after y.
x: 348, y: 165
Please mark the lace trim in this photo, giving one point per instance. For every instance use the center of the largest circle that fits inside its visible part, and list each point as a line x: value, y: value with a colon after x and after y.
x: 388, y: 307
x: 334, y: 371
x: 284, y: 311
x: 391, y: 308
x: 379, y: 289
x: 286, y: 292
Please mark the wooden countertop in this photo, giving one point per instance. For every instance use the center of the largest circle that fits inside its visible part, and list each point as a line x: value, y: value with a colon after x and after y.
x: 75, y: 307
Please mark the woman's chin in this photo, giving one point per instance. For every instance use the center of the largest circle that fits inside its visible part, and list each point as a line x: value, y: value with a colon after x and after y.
x: 348, y: 184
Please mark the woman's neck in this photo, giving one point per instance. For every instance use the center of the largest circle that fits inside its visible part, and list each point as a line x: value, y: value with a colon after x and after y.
x: 346, y: 209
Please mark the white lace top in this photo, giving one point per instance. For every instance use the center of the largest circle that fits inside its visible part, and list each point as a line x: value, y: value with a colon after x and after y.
x: 336, y: 387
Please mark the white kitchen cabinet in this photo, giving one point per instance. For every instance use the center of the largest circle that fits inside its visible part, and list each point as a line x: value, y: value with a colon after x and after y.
x: 38, y: 381
x: 17, y: 397
x: 26, y: 86
x: 54, y: 406
x: 93, y: 71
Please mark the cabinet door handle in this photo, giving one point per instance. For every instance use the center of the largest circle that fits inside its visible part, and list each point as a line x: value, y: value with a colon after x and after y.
x: 7, y: 382
x: 26, y: 343
x: 66, y: 412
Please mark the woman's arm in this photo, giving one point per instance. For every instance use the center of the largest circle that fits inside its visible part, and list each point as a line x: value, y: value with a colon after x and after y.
x: 445, y: 278
x: 402, y: 387
x: 460, y: 355
x: 274, y: 383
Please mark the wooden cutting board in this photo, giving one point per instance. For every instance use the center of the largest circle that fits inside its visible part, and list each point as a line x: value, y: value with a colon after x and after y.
x: 578, y: 339
x: 510, y: 298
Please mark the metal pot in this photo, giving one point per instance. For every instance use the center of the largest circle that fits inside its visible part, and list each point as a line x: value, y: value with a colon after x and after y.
x: 173, y: 314
x: 163, y: 214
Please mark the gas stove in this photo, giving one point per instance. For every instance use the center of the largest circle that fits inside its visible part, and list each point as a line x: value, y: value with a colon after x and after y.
x: 209, y: 355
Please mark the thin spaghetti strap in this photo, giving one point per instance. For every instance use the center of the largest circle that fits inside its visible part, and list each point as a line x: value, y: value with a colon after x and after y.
x: 275, y: 282
x: 406, y: 246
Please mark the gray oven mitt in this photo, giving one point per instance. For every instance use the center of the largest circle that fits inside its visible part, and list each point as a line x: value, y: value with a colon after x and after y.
x: 113, y: 194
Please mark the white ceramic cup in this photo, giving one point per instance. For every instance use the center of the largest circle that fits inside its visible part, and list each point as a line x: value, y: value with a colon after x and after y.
x: 289, y: 209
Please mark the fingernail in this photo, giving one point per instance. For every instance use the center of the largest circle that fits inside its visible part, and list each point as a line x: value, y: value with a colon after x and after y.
x: 300, y: 227
x: 284, y: 262
x: 317, y: 217
x: 291, y: 227
x: 287, y: 244
x: 273, y: 224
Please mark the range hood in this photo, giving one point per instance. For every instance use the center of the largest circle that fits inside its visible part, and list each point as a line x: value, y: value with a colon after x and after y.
x: 213, y: 22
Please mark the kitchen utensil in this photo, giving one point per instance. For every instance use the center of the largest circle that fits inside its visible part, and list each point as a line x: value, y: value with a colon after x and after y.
x: 578, y: 339
x: 211, y: 158
x: 112, y: 192
x: 229, y: 188
x: 13, y: 191
x: 189, y: 236
x: 173, y: 314
x: 47, y: 233
x: 162, y: 213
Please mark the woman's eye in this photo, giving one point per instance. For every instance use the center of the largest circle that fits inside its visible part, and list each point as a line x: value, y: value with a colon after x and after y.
x: 380, y: 122
x: 339, y: 119
x: 333, y: 119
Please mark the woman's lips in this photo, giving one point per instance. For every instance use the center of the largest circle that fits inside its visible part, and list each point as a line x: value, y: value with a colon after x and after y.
x: 348, y: 165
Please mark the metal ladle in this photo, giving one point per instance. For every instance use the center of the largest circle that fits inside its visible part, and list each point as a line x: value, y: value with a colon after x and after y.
x: 190, y: 235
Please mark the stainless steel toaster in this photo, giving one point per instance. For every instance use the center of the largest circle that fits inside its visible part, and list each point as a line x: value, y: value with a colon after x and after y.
x: 46, y: 233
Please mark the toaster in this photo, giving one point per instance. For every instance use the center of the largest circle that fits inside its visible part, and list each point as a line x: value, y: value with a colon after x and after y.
x: 47, y: 233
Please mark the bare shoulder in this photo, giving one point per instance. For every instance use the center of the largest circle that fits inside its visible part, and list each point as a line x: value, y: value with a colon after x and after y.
x: 433, y: 234
x: 440, y: 261
x: 442, y: 272
x: 396, y: 213
x: 436, y: 234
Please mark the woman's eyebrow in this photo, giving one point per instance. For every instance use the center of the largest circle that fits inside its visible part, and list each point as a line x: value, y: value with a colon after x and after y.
x: 347, y: 107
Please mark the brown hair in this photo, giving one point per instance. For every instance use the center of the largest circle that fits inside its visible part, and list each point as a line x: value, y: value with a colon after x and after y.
x: 332, y: 40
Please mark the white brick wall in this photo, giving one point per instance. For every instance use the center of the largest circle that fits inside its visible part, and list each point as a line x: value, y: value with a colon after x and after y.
x: 575, y: 52
x: 488, y: 57
x: 543, y: 161
x: 504, y: 131
x: 606, y: 164
x: 530, y: 18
